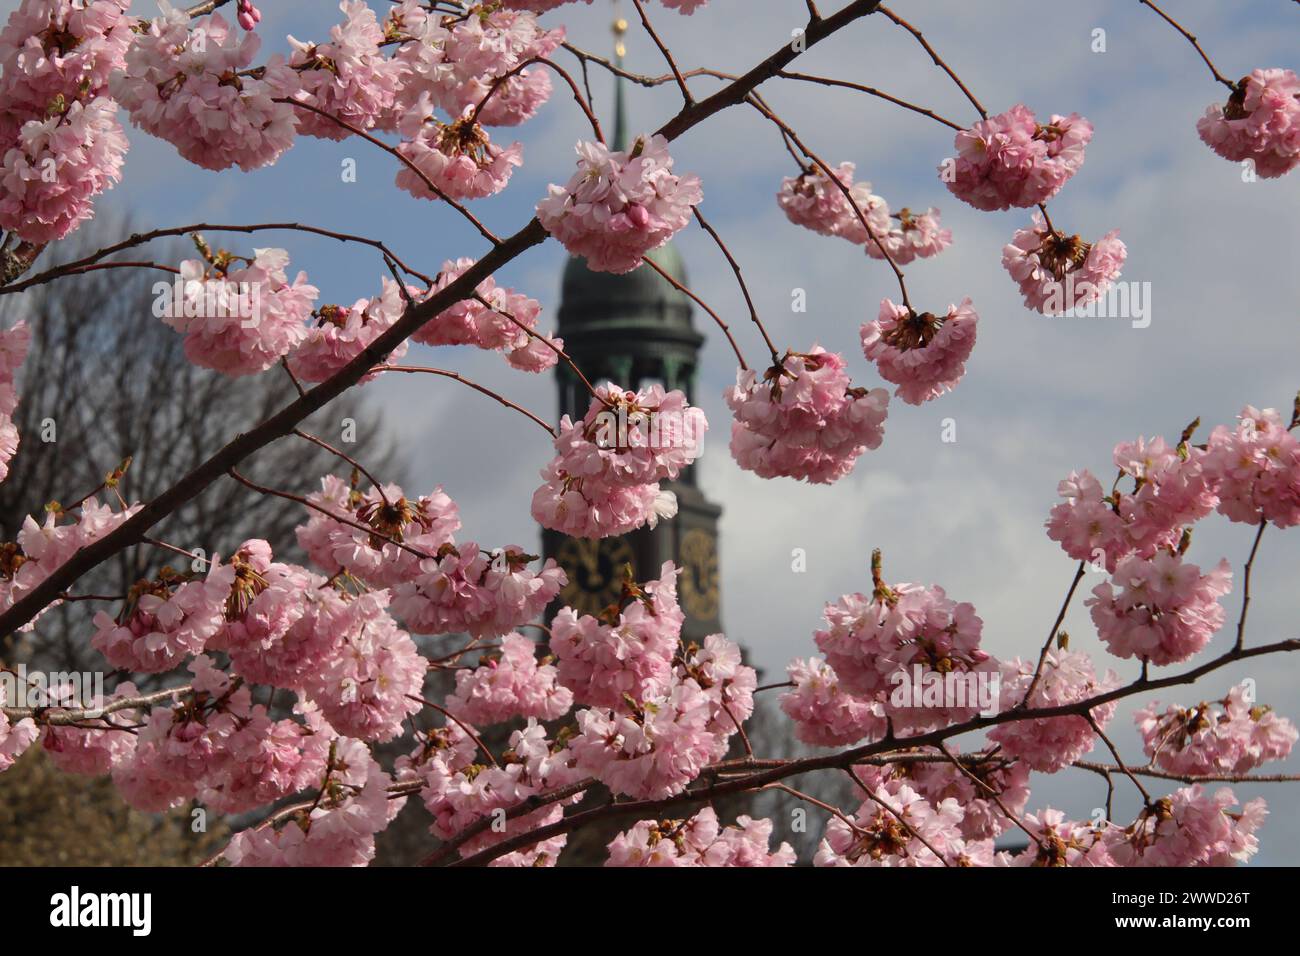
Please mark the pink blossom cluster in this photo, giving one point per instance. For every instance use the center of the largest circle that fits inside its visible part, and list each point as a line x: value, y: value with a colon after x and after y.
x: 511, y: 684
x: 621, y: 204
x: 885, y: 647
x: 628, y: 651
x: 14, y: 343
x: 1049, y: 744
x: 341, y: 334
x: 897, y: 826
x: 700, y: 841
x: 402, y: 531
x: 457, y: 160
x: 55, y: 166
x: 241, y: 320
x: 1012, y: 160
x: 652, y: 748
x: 338, y: 830
x: 605, y: 476
x: 651, y: 751
x: 482, y: 593
x: 193, y: 86
x: 1192, y: 827
x: 58, y: 48
x: 813, y: 201
x: 15, y: 736
x: 1173, y: 487
x: 1160, y: 609
x: 1228, y: 736
x: 973, y: 785
x: 824, y: 713
x: 478, y: 51
x: 163, y: 620
x: 372, y: 679
x: 1056, y: 272
x: 1260, y: 123
x: 348, y: 77
x: 60, y: 140
x: 93, y: 752
x: 459, y: 793
x: 41, y: 548
x: 1256, y: 469
x: 804, y: 419
x: 507, y: 323
x: 923, y: 354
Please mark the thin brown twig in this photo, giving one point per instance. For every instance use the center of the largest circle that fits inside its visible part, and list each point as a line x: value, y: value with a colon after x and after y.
x: 1193, y: 41
x: 938, y: 60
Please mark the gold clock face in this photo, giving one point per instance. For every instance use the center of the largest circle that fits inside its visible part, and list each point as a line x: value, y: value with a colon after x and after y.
x: 698, y: 582
x: 595, y: 572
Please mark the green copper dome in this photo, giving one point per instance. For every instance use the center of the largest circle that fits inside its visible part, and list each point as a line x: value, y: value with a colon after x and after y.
x: 638, y: 298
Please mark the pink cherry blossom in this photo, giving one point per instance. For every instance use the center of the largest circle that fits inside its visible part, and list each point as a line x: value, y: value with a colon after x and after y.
x: 1228, y: 736
x: 503, y: 324
x: 241, y: 320
x: 1161, y: 609
x: 1056, y: 272
x: 93, y: 750
x: 804, y: 419
x: 896, y: 827
x: 1049, y: 744
x: 483, y: 593
x: 1193, y: 827
x: 880, y: 646
x: 459, y: 793
x: 40, y: 549
x: 1256, y: 468
x: 348, y: 77
x: 650, y: 751
x: 164, y: 620
x: 15, y: 736
x: 923, y: 354
x: 813, y: 201
x: 699, y: 841
x: 824, y: 713
x: 627, y: 651
x: 14, y: 343
x: 340, y: 335
x: 404, y: 531
x: 620, y: 205
x: 201, y: 97
x: 56, y: 166
x: 605, y: 477
x: 1012, y: 160
x: 182, y: 745
x: 1058, y: 841
x: 52, y: 48
x: 372, y: 680
x: 1260, y: 123
x: 511, y: 685
x: 909, y: 235
x: 338, y: 830
x: 728, y: 684
x: 478, y: 51
x: 270, y: 760
x: 248, y: 15
x: 459, y: 158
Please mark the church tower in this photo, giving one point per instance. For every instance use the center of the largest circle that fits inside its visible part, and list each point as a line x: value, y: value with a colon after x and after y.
x: 634, y: 330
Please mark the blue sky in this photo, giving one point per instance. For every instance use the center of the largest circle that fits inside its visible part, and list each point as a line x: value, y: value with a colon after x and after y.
x: 1041, y: 396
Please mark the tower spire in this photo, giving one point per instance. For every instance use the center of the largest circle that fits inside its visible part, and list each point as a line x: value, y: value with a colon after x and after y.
x: 620, y: 107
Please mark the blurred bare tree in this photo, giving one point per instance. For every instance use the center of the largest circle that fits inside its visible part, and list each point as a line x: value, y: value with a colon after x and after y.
x: 107, y: 380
